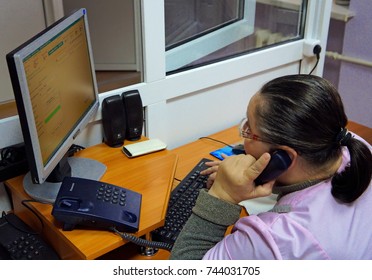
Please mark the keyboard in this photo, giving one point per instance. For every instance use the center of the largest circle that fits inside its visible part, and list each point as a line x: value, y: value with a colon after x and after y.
x: 181, y: 202
x: 19, y: 242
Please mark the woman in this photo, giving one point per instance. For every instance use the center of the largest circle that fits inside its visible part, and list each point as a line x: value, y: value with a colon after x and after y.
x: 324, y: 197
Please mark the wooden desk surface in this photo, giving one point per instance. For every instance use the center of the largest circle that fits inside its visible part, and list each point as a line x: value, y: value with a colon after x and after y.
x: 151, y: 175
x: 190, y: 154
x: 363, y: 131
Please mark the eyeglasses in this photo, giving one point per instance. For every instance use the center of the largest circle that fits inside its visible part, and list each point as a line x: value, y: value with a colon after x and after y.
x: 246, y: 132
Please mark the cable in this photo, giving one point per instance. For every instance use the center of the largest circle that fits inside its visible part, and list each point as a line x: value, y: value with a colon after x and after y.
x: 12, y: 154
x: 209, y: 138
x: 317, y: 49
x: 24, y: 203
x: 4, y: 215
x: 73, y: 149
x: 316, y: 64
x: 143, y: 242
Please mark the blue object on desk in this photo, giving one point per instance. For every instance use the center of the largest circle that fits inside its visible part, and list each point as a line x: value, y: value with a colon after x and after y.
x: 227, y: 150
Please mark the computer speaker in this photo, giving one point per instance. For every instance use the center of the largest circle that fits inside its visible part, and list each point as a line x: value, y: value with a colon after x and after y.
x: 133, y: 114
x: 113, y: 120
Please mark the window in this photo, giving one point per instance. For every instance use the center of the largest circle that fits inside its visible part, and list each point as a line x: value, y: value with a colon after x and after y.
x: 199, y: 32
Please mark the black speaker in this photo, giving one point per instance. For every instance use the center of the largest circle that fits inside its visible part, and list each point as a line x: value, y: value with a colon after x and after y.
x: 113, y: 120
x: 133, y: 114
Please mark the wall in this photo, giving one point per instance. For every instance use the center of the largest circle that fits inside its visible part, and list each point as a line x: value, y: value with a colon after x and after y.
x: 16, y: 26
x: 335, y: 44
x: 112, y: 32
x: 353, y: 81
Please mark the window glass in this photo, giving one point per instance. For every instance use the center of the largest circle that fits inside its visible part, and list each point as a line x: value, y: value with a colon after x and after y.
x: 199, y: 32
x: 187, y: 20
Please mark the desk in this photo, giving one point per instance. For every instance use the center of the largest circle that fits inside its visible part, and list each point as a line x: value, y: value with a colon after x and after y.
x: 151, y: 175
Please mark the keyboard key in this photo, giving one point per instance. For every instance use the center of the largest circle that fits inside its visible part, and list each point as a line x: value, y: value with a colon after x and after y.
x: 180, y: 205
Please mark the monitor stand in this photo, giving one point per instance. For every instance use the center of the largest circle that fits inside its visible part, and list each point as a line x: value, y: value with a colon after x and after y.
x: 48, y: 191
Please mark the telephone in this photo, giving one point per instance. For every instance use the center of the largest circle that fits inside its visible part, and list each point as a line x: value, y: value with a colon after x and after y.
x: 279, y: 162
x: 96, y: 204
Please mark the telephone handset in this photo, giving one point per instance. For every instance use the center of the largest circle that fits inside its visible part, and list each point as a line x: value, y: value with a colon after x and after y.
x: 279, y: 162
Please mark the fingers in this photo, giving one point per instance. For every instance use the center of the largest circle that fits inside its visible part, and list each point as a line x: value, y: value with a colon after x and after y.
x: 234, y: 181
x: 213, y: 166
x: 250, y: 168
x: 210, y: 180
x: 212, y: 163
x: 265, y: 189
x: 209, y: 170
x: 224, y: 156
x: 257, y: 167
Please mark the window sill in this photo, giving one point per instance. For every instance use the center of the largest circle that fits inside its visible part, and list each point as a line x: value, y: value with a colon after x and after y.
x: 8, y: 109
x: 338, y: 12
x: 341, y: 13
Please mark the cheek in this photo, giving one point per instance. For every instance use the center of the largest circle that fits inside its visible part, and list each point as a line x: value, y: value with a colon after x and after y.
x: 254, y: 148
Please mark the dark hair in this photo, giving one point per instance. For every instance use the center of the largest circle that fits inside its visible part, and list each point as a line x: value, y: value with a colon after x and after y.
x: 306, y: 113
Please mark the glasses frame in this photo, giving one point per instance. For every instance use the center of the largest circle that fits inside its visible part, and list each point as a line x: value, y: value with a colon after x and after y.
x: 245, y: 131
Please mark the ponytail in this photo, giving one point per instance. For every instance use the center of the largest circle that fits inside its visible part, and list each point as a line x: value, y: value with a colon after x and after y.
x: 348, y: 185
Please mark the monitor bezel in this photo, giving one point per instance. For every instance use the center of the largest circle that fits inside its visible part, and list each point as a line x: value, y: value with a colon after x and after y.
x: 39, y: 171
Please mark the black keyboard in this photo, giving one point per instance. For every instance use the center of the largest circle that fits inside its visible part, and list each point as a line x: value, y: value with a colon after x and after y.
x: 181, y: 202
x: 20, y: 242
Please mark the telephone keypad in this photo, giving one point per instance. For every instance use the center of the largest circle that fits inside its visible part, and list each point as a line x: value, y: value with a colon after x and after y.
x: 112, y: 194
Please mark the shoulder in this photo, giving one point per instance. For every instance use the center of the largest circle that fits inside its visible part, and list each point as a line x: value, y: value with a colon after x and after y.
x: 276, y: 236
x: 287, y: 235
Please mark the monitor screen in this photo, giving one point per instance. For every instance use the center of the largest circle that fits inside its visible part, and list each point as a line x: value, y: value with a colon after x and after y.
x: 55, y: 90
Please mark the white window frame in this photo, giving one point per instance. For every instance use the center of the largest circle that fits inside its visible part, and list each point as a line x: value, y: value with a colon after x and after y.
x: 202, y: 46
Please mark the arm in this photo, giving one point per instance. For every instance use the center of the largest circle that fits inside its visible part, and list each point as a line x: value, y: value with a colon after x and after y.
x: 218, y: 208
x: 205, y: 228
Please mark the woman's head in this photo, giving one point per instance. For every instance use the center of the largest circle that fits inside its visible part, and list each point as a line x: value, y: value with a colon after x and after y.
x: 303, y: 112
x: 306, y: 114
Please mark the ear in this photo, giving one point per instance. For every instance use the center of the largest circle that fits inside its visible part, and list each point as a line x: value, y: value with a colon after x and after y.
x: 292, y: 154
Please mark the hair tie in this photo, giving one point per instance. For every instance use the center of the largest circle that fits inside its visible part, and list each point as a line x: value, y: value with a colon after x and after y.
x: 343, y: 137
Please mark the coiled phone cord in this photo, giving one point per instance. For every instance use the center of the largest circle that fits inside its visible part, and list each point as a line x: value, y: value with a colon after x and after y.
x: 143, y: 242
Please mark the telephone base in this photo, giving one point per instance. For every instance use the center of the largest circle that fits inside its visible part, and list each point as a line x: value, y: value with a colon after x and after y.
x: 90, y: 203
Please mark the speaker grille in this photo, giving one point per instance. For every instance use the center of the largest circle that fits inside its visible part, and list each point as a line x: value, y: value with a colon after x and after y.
x: 113, y: 120
x: 133, y: 114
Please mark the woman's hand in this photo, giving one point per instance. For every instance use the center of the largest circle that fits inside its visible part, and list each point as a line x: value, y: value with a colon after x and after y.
x: 211, y: 171
x: 234, y: 181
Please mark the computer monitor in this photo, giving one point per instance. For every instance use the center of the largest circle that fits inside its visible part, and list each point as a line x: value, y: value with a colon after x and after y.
x: 56, y: 94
